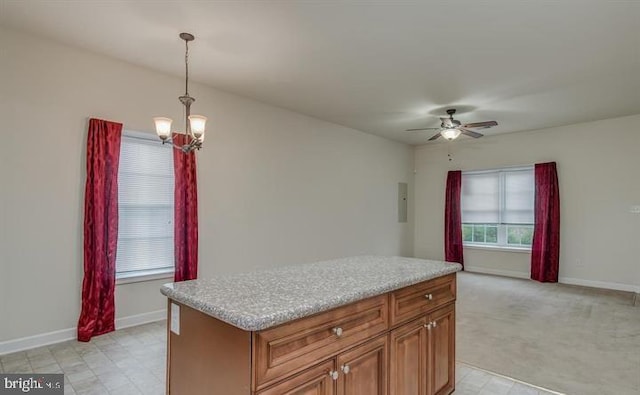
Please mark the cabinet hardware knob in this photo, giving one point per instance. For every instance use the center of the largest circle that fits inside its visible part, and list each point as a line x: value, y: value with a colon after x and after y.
x: 337, y: 331
x: 428, y: 326
x: 345, y: 369
x: 435, y: 323
x: 428, y: 296
x: 334, y: 374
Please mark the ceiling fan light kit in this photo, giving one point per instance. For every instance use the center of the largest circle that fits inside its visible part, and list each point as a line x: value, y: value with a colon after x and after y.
x: 194, y: 124
x: 451, y: 128
x: 450, y: 134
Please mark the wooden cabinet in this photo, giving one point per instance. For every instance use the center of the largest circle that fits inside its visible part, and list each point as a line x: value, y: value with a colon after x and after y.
x: 422, y: 355
x: 408, y: 359
x: 360, y: 371
x: 442, y: 334
x: 410, y: 302
x: 314, y: 381
x: 398, y: 343
x: 296, y: 345
x: 363, y: 370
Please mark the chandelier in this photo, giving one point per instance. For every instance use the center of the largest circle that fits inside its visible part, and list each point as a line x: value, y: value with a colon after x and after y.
x: 194, y: 124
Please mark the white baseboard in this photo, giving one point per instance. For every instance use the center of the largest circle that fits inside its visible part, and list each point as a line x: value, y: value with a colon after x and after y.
x: 139, y: 319
x: 496, y: 272
x: 45, y: 339
x: 599, y: 284
x: 561, y: 280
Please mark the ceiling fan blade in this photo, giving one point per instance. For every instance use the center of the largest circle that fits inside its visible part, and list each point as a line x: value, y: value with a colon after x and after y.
x: 435, y: 136
x: 483, y: 125
x: 470, y: 133
x: 419, y: 130
x: 447, y: 122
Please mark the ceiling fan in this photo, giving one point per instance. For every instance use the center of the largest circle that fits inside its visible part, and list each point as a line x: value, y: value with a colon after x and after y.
x: 450, y: 128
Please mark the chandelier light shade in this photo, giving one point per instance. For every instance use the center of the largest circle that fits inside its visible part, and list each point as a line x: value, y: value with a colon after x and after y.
x: 450, y: 134
x: 163, y: 127
x: 197, y: 123
x: 194, y: 124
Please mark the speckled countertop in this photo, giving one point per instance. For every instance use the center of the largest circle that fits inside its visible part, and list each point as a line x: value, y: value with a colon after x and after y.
x: 265, y: 298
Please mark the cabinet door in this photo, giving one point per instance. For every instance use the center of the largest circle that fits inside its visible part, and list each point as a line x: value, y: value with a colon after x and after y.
x: 442, y: 346
x: 294, y: 346
x: 408, y: 359
x: 363, y: 370
x: 314, y: 381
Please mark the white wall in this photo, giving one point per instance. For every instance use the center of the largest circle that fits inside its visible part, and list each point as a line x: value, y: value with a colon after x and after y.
x: 275, y: 187
x: 597, y: 171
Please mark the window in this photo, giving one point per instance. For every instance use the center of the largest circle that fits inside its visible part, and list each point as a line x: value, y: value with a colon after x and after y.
x: 145, y: 207
x: 497, y: 207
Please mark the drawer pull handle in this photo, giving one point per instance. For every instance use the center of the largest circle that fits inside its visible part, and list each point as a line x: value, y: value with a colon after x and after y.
x: 428, y: 326
x: 334, y: 374
x: 429, y: 296
x: 345, y: 369
x: 337, y: 331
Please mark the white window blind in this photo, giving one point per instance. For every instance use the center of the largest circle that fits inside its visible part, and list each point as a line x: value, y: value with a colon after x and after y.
x: 145, y: 207
x: 480, y: 198
x: 498, y: 196
x: 519, y: 194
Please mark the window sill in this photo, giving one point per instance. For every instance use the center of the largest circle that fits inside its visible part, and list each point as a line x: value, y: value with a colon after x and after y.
x: 497, y: 248
x: 146, y: 275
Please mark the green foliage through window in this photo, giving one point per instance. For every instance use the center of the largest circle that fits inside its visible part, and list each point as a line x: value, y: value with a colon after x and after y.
x: 480, y: 233
x: 513, y: 235
x: 520, y: 235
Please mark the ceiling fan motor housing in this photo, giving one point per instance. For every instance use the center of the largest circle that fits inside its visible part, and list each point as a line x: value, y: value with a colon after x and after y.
x: 450, y: 123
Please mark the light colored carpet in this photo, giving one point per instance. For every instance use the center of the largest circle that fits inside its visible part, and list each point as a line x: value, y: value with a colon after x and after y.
x: 576, y: 340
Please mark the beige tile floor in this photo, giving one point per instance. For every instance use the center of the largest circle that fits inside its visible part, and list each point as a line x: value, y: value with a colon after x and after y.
x: 128, y: 361
x: 132, y: 361
x: 473, y: 381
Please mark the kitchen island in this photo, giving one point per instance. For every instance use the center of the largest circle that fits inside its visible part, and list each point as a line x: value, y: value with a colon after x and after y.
x: 362, y: 325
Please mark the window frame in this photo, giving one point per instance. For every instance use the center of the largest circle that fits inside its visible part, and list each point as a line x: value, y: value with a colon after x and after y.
x: 502, y: 228
x: 149, y: 274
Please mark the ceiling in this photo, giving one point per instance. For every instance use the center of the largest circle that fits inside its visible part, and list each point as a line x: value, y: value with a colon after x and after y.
x: 377, y: 66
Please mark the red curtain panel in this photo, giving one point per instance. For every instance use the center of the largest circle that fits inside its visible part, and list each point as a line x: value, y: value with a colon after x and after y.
x: 186, y: 213
x: 453, y: 219
x: 545, y: 252
x: 100, y: 229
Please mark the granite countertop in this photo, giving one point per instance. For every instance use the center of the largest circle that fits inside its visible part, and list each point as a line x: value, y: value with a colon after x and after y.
x: 261, y: 299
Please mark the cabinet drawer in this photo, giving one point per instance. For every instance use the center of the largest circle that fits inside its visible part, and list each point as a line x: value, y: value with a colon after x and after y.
x: 412, y: 301
x: 315, y: 380
x: 291, y: 347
